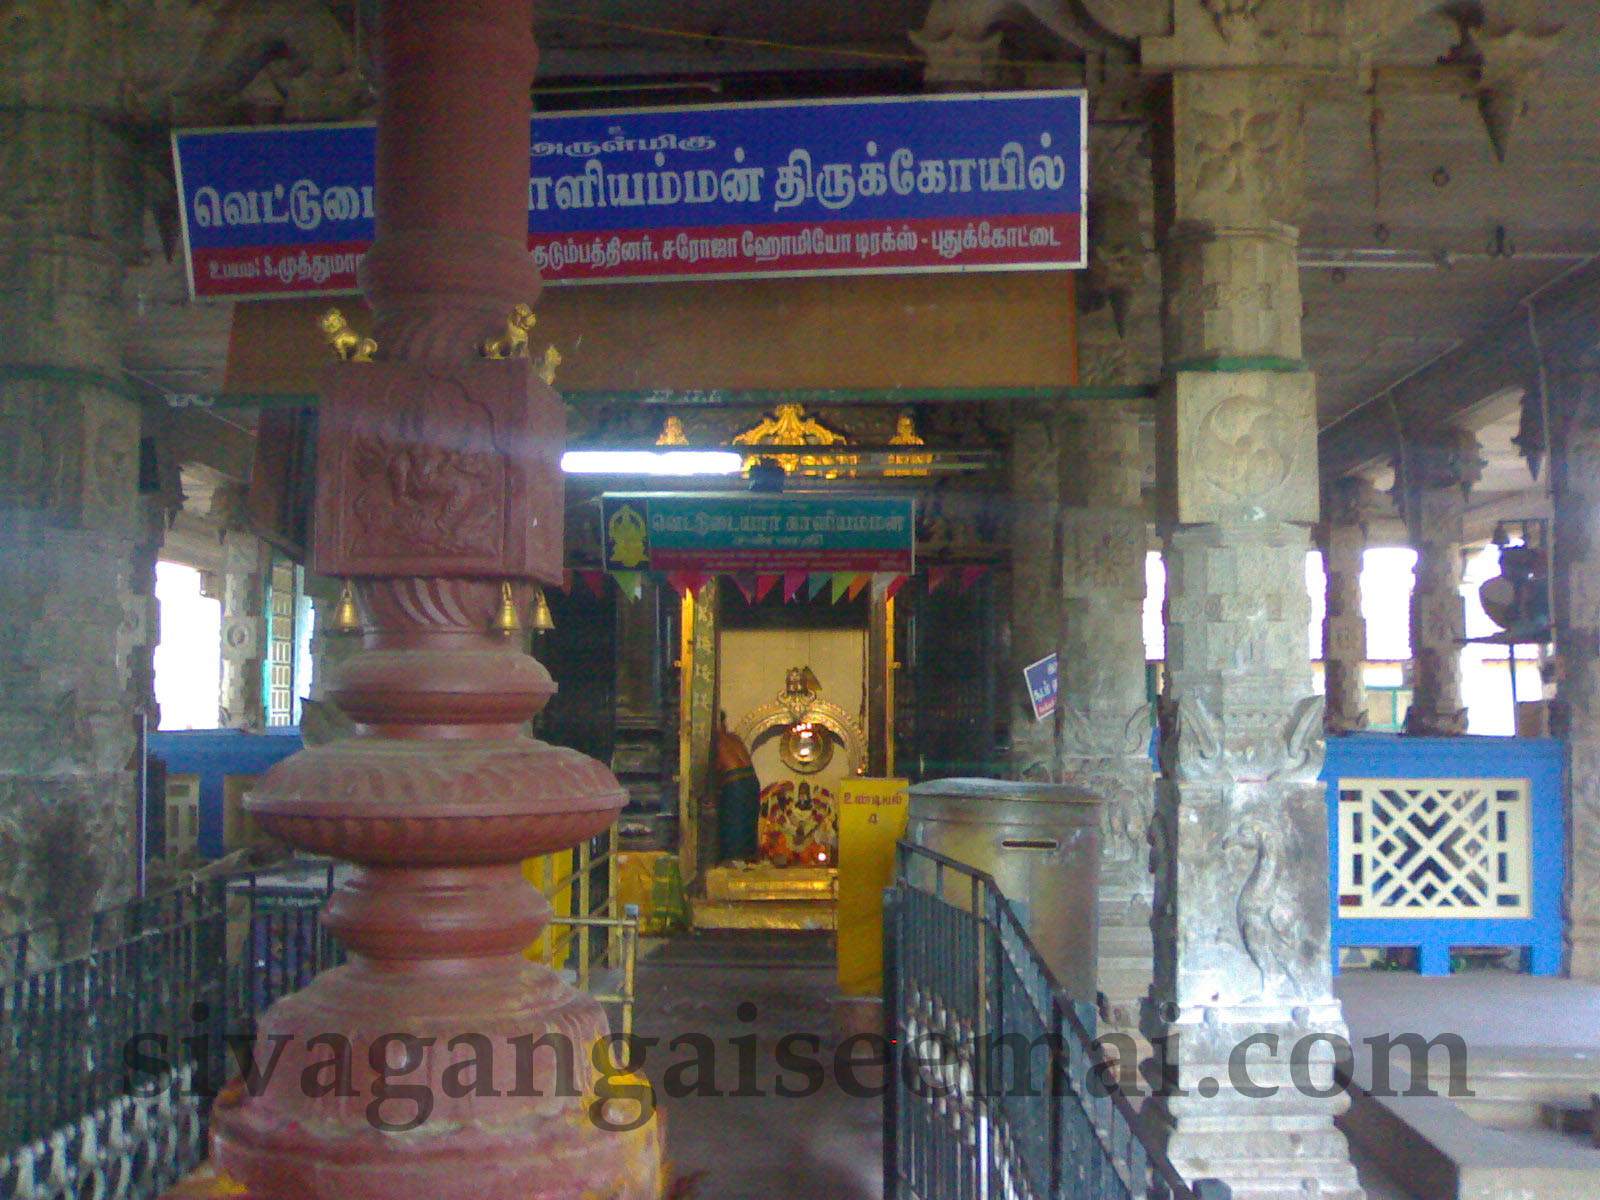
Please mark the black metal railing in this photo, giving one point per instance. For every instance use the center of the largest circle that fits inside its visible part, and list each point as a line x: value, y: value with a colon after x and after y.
x: 67, y: 1030
x: 281, y: 947
x: 997, y: 1088
x: 115, y: 1032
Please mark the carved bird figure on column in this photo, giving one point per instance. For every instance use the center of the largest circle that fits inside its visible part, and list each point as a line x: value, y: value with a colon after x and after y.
x: 1266, y: 921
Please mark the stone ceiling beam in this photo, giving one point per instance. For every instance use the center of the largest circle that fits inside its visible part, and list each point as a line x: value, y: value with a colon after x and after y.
x: 1566, y: 321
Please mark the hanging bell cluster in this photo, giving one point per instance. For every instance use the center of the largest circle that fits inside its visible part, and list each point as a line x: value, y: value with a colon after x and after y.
x: 506, y: 622
x: 345, y: 620
x: 543, y: 621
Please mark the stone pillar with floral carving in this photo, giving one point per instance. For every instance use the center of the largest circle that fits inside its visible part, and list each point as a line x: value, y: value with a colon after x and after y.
x: 1241, y: 925
x: 1342, y: 538
x: 1035, y: 584
x: 1434, y: 473
x: 1575, y: 480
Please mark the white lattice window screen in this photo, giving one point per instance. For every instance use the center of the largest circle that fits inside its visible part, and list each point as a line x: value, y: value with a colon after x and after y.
x: 183, y: 814
x: 280, y: 649
x: 1455, y: 848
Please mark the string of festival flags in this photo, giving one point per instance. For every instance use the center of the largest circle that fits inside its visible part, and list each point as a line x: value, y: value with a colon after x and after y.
x: 758, y: 586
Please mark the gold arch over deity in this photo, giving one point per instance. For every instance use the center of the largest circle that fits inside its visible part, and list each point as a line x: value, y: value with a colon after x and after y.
x: 798, y: 711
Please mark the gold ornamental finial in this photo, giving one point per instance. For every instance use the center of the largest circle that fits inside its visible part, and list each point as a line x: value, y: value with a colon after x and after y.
x: 345, y: 618
x: 548, y: 364
x: 505, y: 617
x: 543, y: 620
x: 346, y: 342
x: 905, y: 434
x: 513, y: 343
x: 788, y: 425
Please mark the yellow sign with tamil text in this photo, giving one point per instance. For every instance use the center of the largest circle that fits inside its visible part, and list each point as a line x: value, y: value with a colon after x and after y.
x: 872, y: 818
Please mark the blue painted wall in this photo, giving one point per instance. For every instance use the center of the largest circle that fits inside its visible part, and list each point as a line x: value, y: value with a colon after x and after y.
x: 1542, y: 761
x: 214, y: 754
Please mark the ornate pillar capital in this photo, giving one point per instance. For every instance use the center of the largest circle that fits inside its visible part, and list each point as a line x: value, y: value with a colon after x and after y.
x: 1434, y: 472
x: 159, y: 61
x: 1289, y: 34
x: 1350, y: 500
x: 958, y: 59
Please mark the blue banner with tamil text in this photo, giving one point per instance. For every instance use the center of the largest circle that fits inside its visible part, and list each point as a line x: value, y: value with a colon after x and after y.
x: 925, y: 183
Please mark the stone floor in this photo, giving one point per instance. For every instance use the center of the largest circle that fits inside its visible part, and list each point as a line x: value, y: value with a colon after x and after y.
x: 750, y: 1147
x: 770, y: 1147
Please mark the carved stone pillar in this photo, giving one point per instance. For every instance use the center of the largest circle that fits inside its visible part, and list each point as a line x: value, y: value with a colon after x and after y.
x: 81, y: 91
x: 1433, y: 475
x: 1575, y: 477
x: 69, y: 458
x: 1035, y: 584
x: 247, y: 562
x: 1105, y: 719
x: 439, y: 498
x: 1241, y: 926
x: 1342, y: 538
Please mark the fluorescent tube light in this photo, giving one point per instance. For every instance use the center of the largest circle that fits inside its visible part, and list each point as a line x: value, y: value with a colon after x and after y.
x: 651, y: 462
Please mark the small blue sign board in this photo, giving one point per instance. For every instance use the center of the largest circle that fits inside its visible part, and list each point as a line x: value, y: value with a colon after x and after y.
x: 1044, y: 683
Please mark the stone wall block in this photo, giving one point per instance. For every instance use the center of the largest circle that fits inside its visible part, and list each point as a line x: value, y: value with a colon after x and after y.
x: 1239, y: 150
x: 1242, y: 446
x: 1239, y: 293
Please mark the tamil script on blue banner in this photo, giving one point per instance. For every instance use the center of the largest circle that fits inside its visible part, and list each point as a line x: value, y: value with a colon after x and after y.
x: 912, y: 184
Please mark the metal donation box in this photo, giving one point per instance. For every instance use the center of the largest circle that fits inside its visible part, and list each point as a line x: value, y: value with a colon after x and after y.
x: 1041, y: 844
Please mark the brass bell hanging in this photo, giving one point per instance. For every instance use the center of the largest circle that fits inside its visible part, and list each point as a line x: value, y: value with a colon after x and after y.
x: 345, y: 619
x: 543, y: 621
x: 505, y: 617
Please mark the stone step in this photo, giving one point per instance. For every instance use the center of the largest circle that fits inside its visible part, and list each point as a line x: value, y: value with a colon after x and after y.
x: 794, y: 884
x: 1431, y: 1147
x: 1574, y: 1117
x: 763, y: 914
x: 1512, y: 1084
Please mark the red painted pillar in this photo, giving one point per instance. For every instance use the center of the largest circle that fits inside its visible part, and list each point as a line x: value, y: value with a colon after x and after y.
x: 439, y: 1061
